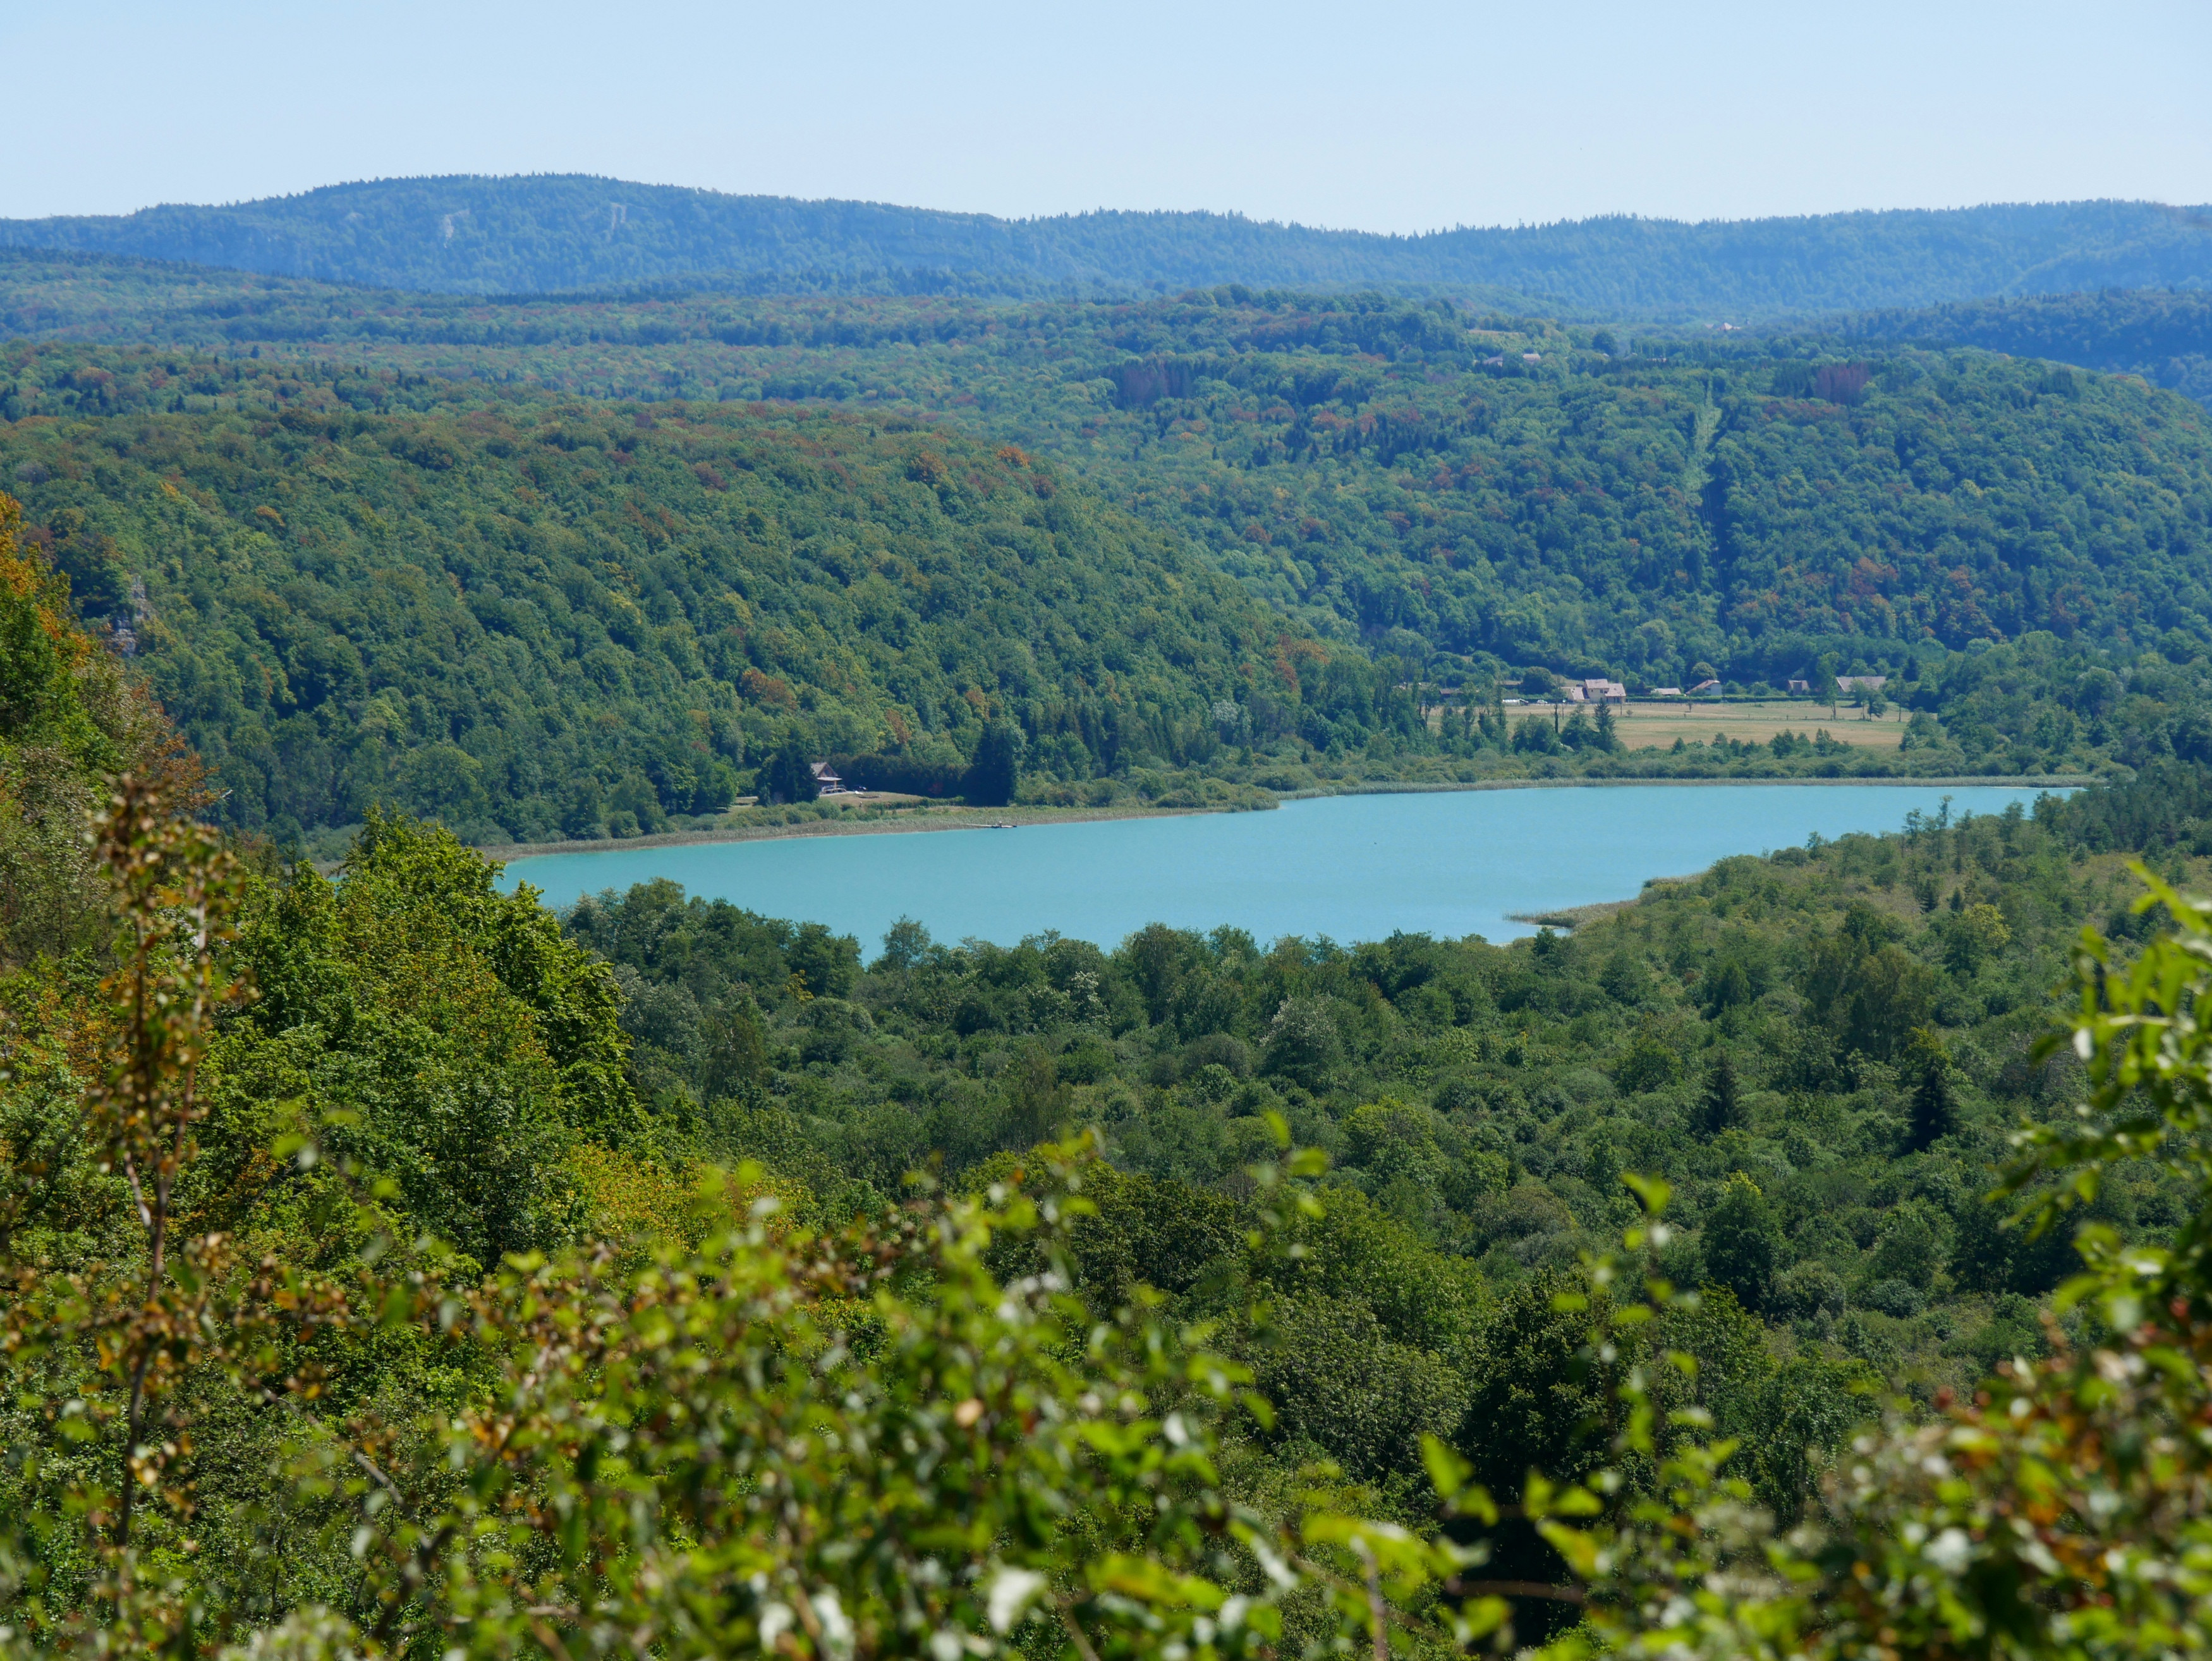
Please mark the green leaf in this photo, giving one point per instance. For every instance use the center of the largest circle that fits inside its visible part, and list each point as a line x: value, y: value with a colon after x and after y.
x: 1448, y: 1472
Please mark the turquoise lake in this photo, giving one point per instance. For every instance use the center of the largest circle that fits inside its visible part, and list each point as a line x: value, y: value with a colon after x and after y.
x: 1352, y: 868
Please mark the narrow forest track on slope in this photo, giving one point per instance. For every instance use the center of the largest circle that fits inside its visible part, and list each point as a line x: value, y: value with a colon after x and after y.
x: 1695, y: 471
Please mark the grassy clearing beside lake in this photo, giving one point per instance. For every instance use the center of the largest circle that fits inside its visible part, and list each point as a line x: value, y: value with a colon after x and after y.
x: 1652, y: 725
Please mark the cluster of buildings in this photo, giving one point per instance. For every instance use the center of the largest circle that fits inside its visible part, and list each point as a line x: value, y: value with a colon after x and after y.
x: 1599, y: 691
x: 1846, y: 685
x: 1595, y: 691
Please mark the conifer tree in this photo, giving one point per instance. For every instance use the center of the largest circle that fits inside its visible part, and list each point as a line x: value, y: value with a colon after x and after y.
x: 1935, y: 1112
x: 1723, y: 1106
x: 997, y: 768
x: 789, y: 774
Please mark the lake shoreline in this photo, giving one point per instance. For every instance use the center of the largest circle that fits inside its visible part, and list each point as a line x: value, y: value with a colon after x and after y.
x: 986, y: 818
x: 982, y: 818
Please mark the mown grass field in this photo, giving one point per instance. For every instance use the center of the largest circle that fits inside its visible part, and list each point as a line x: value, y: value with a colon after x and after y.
x: 1657, y: 724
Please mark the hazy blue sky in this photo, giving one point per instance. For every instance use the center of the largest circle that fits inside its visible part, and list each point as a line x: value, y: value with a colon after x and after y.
x: 1380, y: 117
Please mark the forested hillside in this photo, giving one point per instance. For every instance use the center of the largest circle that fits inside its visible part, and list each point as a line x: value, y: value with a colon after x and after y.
x: 1637, y: 505
x: 2165, y: 336
x: 483, y: 235
x: 539, y: 617
x: 70, y: 716
x: 1576, y: 498
x: 529, y: 615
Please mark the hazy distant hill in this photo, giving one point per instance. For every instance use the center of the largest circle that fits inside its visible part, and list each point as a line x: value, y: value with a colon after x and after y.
x: 470, y: 234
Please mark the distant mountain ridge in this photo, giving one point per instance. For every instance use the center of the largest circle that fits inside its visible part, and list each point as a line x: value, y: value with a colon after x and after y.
x: 476, y: 234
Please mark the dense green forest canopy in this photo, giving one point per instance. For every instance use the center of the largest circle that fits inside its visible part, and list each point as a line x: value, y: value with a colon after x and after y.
x: 1606, y: 499
x: 1377, y: 465
x: 1537, y: 493
x: 528, y: 617
x: 115, y: 300
x: 1406, y: 493
x: 634, y: 604
x: 485, y: 235
x: 2163, y: 335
